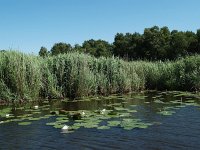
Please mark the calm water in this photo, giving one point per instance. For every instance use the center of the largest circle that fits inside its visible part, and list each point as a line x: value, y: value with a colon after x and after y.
x: 174, y: 119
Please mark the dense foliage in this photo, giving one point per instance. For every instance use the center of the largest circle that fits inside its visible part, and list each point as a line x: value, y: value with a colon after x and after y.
x: 154, y: 44
x: 72, y: 75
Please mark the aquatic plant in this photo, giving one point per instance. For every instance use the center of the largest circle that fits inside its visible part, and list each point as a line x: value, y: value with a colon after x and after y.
x: 24, y: 123
x: 74, y: 75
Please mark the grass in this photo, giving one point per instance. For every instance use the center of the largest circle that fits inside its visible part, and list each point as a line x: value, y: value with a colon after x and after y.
x: 29, y: 77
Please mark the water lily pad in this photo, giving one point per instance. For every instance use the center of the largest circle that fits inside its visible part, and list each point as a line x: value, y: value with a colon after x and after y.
x: 131, y: 111
x: 34, y: 119
x: 176, y: 102
x: 142, y: 97
x: 6, y: 121
x: 166, y: 113
x: 121, y: 109
x: 48, y: 116
x: 142, y: 125
x: 133, y: 106
x: 51, y: 123
x: 105, y: 117
x: 180, y: 106
x: 129, y: 124
x: 190, y: 101
x: 116, y: 104
x: 24, y: 116
x: 45, y: 102
x: 103, y: 127
x: 90, y: 125
x: 24, y: 123
x: 113, y: 123
x: 45, y: 108
x: 62, y: 121
x: 36, y: 112
x: 62, y: 118
x: 44, y: 117
x: 192, y: 104
x: 124, y: 114
x: 75, y: 127
x: 158, y: 101
x: 58, y: 126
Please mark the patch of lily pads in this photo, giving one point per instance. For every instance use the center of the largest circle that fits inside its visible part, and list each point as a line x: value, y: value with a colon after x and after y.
x: 166, y: 113
x: 112, y: 115
x: 129, y: 124
x: 103, y: 127
x: 24, y: 123
x: 27, y: 115
x: 100, y: 119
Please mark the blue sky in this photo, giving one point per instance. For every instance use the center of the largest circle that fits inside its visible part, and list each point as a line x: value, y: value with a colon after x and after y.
x: 26, y: 25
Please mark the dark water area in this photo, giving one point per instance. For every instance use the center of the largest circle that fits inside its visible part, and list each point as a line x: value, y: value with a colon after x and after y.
x: 151, y: 120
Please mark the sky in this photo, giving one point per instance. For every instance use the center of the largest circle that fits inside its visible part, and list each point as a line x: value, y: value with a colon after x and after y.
x: 26, y: 25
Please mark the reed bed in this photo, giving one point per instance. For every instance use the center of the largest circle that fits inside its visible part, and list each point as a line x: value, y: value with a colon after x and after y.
x: 74, y: 75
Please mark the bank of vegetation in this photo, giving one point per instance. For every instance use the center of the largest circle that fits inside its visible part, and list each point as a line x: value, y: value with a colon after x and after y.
x: 73, y: 75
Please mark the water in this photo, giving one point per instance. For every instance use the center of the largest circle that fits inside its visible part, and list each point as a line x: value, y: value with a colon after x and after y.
x: 173, y: 119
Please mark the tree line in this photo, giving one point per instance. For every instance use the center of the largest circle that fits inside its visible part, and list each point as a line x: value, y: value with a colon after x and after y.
x: 154, y: 44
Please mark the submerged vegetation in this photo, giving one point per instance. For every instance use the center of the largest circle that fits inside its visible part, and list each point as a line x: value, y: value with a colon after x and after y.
x: 73, y: 75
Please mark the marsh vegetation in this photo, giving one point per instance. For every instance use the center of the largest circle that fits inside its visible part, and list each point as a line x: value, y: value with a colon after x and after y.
x: 74, y: 75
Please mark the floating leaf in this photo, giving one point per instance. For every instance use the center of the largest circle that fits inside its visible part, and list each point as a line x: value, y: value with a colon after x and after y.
x: 113, y: 123
x: 58, y: 126
x: 131, y: 111
x: 24, y: 123
x: 103, y: 127
x: 129, y: 124
x: 158, y: 101
x: 34, y: 119
x: 51, y: 123
x: 166, y: 113
x: 121, y: 109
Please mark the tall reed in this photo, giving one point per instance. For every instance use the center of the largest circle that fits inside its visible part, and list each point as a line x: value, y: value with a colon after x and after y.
x: 73, y: 75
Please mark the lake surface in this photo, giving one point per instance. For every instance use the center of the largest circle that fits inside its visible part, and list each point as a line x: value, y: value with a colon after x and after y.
x: 150, y: 120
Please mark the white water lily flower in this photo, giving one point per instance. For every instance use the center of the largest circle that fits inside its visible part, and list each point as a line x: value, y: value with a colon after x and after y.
x: 65, y: 127
x: 36, y: 107
x: 103, y: 111
x: 83, y: 113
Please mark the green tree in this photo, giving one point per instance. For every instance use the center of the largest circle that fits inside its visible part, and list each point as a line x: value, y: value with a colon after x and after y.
x: 127, y: 46
x: 43, y: 52
x: 192, y: 42
x: 198, y: 39
x: 165, y: 37
x: 60, y: 48
x: 156, y: 43
x: 178, y: 45
x: 97, y: 48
